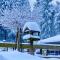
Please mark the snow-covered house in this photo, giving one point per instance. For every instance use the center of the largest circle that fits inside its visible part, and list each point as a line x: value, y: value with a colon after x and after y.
x: 31, y: 30
x: 51, y: 41
x: 31, y: 33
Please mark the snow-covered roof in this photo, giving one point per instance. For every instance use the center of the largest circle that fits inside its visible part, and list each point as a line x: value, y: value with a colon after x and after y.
x: 31, y: 26
x: 30, y: 36
x: 50, y: 40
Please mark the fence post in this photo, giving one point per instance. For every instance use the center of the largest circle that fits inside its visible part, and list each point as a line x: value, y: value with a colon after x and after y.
x: 31, y: 49
x: 17, y: 38
x: 20, y: 40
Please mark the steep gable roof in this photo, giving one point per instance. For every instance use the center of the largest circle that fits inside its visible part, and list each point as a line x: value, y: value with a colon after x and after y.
x: 31, y: 26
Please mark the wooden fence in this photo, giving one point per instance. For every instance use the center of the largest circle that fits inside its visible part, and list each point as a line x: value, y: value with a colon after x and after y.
x: 29, y: 46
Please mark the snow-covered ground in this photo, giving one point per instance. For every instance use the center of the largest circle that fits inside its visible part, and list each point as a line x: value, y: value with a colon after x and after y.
x: 15, y: 55
x: 10, y: 55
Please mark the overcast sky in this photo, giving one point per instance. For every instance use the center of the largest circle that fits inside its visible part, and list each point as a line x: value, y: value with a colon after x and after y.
x: 32, y: 3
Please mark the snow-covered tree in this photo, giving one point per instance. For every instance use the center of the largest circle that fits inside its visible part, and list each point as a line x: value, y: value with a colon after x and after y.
x: 37, y: 12
x: 51, y: 16
x: 44, y: 13
x: 57, y: 19
x: 40, y: 14
x: 14, y: 10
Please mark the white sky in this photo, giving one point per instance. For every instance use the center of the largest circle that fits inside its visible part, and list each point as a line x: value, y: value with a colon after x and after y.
x: 32, y: 3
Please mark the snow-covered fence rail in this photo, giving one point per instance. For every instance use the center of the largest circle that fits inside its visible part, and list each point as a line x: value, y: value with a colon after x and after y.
x: 28, y: 46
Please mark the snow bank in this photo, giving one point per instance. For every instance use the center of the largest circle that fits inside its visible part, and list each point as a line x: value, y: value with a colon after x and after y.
x: 10, y: 55
x: 15, y: 55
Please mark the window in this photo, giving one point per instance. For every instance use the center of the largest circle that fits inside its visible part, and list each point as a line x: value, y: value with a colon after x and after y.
x: 35, y: 33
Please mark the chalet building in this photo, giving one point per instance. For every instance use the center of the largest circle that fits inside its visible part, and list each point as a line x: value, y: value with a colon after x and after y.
x: 31, y: 30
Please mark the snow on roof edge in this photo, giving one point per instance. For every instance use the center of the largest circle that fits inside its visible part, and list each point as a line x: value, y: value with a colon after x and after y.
x: 30, y: 36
